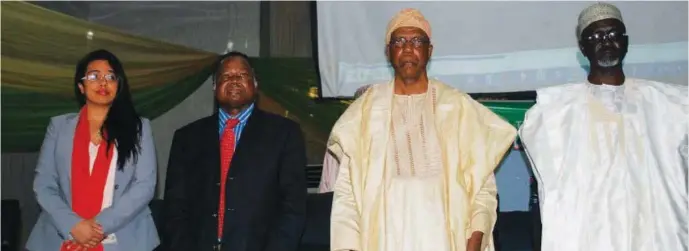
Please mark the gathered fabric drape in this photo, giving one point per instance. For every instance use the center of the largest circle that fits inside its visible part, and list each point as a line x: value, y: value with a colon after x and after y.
x: 40, y: 50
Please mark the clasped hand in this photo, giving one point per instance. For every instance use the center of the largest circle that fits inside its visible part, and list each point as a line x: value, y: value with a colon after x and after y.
x: 86, y: 234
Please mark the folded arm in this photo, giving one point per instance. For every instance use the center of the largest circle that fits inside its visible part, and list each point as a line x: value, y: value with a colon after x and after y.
x: 141, y: 190
x: 493, y: 140
x: 483, y: 213
x: 536, y: 142
x: 47, y: 188
x: 292, y: 177
x: 345, y: 226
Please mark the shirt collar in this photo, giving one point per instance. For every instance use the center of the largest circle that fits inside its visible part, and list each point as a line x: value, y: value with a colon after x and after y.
x: 243, y: 116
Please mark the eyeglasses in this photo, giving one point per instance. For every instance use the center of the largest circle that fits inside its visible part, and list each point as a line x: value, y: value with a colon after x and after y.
x: 93, y: 77
x: 416, y: 42
x: 600, y: 36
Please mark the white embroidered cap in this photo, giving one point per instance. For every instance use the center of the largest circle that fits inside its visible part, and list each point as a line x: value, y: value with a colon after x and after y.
x: 597, y: 12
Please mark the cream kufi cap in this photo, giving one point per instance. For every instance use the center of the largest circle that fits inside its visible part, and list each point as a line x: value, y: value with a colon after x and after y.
x: 597, y: 12
x: 408, y: 18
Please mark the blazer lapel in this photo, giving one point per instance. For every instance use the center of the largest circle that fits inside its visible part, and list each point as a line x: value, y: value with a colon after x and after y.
x: 64, y: 165
x: 211, y: 140
x: 249, y: 140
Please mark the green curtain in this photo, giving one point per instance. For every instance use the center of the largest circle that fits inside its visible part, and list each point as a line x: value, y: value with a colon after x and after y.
x: 40, y: 49
x: 512, y: 111
x: 288, y: 80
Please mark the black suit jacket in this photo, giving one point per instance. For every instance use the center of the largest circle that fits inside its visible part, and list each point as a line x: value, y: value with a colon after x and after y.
x: 265, y: 190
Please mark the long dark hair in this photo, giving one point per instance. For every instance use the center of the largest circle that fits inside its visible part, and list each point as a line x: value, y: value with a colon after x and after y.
x: 122, y: 123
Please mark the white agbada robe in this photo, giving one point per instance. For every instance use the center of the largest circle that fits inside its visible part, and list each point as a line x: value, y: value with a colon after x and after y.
x: 414, y: 211
x: 429, y: 185
x: 611, y: 165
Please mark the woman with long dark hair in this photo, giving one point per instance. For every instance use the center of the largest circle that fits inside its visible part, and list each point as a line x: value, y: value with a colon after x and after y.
x: 96, y: 172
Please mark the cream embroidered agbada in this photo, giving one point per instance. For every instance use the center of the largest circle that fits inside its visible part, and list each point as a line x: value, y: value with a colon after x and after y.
x: 611, y: 165
x: 415, y: 172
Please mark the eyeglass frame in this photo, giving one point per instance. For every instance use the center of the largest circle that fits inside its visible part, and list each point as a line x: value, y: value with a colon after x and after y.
x: 416, y: 42
x: 102, y: 77
x: 610, y: 35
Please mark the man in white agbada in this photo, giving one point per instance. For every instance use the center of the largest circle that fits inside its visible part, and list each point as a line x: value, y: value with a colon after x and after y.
x: 610, y: 154
x: 416, y: 158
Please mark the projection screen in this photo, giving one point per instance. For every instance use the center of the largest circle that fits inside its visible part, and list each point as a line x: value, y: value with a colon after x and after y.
x: 489, y: 47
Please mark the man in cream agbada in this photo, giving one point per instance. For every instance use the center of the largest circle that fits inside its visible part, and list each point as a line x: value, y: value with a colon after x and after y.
x: 415, y: 158
x: 609, y: 154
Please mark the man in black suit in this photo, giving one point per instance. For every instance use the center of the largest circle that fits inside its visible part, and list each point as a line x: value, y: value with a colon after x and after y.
x: 264, y: 202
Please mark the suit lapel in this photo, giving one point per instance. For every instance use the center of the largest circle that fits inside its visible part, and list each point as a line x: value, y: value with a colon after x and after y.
x: 66, y: 140
x: 249, y: 140
x: 211, y: 140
